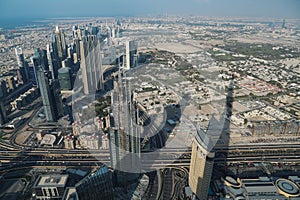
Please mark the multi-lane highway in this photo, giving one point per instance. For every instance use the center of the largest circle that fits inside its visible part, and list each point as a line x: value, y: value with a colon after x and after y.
x: 158, y: 159
x: 14, y: 156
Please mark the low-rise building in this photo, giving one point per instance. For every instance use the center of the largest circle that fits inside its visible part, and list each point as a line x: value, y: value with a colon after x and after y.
x: 50, y: 186
x: 69, y: 142
x: 89, y: 141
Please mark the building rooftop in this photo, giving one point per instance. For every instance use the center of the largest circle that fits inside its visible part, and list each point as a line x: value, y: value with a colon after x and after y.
x: 64, y: 70
x: 48, y: 140
x: 55, y: 180
x: 287, y: 188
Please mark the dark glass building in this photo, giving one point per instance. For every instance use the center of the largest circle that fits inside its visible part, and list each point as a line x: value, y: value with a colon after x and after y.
x: 50, y: 91
x: 32, y: 76
x: 65, y: 78
x: 96, y: 186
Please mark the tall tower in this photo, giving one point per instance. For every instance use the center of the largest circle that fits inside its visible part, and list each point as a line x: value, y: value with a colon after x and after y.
x: 57, y: 97
x: 130, y: 50
x: 65, y: 78
x: 43, y: 84
x: 49, y: 57
x: 22, y: 63
x: 97, y: 185
x: 124, y: 133
x: 200, y: 170
x: 77, y: 47
x: 52, y: 55
x: 127, y: 55
x: 91, y: 64
x: 42, y: 56
x: 49, y: 89
x: 20, y: 56
x: 283, y: 24
x: 60, y: 43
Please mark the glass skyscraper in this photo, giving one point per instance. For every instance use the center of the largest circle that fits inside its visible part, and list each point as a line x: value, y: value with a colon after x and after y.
x: 96, y: 186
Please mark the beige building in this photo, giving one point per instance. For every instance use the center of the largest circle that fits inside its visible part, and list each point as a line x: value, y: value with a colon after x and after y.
x: 69, y: 142
x: 200, y: 170
x: 105, y: 142
x: 49, y: 186
x: 89, y: 141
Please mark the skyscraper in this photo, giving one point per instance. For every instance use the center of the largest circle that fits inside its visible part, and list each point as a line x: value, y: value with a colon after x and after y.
x: 202, y: 160
x: 283, y: 24
x: 124, y: 133
x: 200, y: 169
x: 94, y: 30
x: 97, y: 185
x: 91, y: 64
x: 65, y: 78
x: 130, y: 49
x: 77, y: 47
x: 23, y: 65
x: 19, y: 56
x: 50, y: 91
x: 49, y: 57
x: 60, y: 43
x: 57, y: 97
x: 43, y: 84
x: 32, y: 74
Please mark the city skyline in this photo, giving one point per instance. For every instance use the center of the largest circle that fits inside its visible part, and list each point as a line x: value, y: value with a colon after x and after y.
x: 149, y: 106
x: 12, y: 10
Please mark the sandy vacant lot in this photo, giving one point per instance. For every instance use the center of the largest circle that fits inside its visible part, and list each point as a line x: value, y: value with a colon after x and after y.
x: 177, y: 47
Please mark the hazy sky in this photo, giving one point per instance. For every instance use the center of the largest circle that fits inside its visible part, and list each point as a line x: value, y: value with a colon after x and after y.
x: 13, y: 9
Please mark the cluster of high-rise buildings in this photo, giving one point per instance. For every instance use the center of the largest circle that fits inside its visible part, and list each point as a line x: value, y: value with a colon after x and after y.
x: 56, y: 68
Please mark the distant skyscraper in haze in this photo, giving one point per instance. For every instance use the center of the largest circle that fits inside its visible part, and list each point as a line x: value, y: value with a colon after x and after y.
x: 91, y: 64
x: 60, y: 44
x: 283, y: 24
x: 42, y: 55
x: 94, y: 30
x: 52, y: 54
x: 131, y: 50
x: 20, y: 57
x: 50, y: 91
x: 201, y: 168
x: 52, y: 67
x: 124, y: 133
x: 77, y: 47
x: 97, y: 185
x: 22, y: 63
